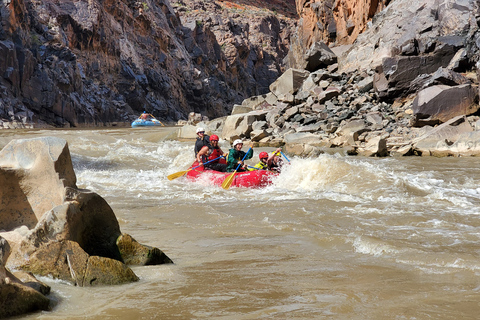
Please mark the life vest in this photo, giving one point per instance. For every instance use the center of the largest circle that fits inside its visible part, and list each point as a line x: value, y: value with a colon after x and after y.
x: 215, y: 153
x: 200, y: 143
x: 261, y: 166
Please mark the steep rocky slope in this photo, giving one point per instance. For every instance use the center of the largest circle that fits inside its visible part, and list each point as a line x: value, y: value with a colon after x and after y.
x: 253, y: 35
x: 77, y: 63
x: 408, y: 84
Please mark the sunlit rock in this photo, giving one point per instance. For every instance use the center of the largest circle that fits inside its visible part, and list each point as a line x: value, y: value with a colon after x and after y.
x: 453, y: 138
x: 374, y: 147
x: 289, y: 82
x: 33, y: 176
x: 53, y: 227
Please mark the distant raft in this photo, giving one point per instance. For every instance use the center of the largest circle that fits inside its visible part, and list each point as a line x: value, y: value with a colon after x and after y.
x: 146, y: 123
x: 146, y: 120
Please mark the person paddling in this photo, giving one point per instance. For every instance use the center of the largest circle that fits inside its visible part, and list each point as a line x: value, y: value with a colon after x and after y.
x: 270, y: 162
x: 202, y: 140
x: 236, y: 155
x: 211, y: 152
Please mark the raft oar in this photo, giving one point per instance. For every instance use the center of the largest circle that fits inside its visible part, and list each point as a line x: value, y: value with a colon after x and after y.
x: 284, y: 156
x: 181, y: 173
x: 228, y: 181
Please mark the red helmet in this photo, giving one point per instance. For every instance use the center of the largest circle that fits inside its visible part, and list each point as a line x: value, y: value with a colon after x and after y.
x: 263, y: 154
x: 213, y: 137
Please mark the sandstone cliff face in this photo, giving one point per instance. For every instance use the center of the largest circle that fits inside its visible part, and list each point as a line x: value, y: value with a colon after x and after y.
x: 75, y: 63
x: 335, y: 23
x: 338, y: 22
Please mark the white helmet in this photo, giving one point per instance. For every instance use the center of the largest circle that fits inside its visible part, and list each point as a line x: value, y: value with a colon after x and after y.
x: 237, y: 142
x: 200, y: 130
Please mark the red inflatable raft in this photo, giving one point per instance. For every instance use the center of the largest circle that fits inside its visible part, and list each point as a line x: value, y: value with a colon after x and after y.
x: 247, y: 179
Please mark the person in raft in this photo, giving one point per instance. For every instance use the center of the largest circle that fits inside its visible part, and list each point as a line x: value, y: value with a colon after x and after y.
x: 144, y: 115
x: 236, y: 155
x: 210, y: 152
x: 270, y: 162
x: 203, y: 140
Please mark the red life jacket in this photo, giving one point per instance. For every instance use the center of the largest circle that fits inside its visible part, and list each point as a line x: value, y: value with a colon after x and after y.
x: 215, y: 154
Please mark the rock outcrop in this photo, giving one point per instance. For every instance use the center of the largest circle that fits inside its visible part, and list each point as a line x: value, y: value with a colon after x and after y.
x: 317, y: 112
x: 53, y: 228
x: 94, y: 63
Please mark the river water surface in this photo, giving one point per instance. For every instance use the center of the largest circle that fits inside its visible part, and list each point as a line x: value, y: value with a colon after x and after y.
x: 332, y: 238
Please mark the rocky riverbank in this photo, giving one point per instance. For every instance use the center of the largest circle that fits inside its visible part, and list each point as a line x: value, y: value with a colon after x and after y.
x: 412, y: 90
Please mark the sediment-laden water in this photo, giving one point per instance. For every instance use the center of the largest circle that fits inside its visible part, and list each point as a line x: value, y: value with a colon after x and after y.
x: 332, y: 238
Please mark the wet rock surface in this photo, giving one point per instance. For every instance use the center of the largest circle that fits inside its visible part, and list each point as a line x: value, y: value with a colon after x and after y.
x: 49, y: 227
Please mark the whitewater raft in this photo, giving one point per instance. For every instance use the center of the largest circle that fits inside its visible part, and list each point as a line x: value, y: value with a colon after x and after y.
x: 247, y: 179
x: 146, y: 123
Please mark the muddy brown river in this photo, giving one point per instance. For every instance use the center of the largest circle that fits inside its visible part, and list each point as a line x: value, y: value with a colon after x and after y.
x: 333, y: 237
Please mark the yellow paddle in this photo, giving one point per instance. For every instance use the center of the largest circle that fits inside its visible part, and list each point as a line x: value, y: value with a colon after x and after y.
x: 228, y: 181
x: 181, y: 173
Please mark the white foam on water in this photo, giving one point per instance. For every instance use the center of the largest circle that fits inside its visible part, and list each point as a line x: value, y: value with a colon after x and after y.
x: 373, y: 246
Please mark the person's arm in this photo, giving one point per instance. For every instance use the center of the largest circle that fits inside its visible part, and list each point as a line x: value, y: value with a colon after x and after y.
x: 249, y: 153
x: 200, y: 153
x: 272, y: 156
x: 231, y: 160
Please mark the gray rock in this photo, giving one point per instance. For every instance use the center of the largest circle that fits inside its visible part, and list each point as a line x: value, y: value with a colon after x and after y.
x: 441, y: 103
x: 289, y: 82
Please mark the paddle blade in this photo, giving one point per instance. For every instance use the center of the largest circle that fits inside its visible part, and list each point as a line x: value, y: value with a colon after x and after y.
x: 176, y: 175
x: 228, y: 181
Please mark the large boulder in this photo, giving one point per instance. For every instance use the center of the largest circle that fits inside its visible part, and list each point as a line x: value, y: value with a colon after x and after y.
x: 374, y: 147
x: 438, y: 104
x: 33, y: 175
x: 240, y: 125
x: 417, y: 31
x: 53, y: 227
x: 134, y: 253
x: 454, y: 137
x: 289, y: 82
x: 16, y: 297
x: 318, y: 56
x: 395, y: 74
x: 68, y: 261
